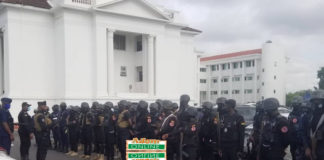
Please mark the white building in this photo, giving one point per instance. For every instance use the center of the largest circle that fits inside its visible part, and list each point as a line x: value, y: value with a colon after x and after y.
x: 246, y: 76
x: 86, y: 50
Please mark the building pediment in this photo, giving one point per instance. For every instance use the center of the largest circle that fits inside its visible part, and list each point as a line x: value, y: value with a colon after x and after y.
x: 138, y: 8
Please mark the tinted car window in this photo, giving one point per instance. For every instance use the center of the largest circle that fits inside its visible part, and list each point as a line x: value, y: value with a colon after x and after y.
x: 247, y: 112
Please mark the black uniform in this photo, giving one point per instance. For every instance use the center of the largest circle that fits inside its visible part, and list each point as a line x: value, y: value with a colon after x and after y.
x: 123, y: 131
x: 55, y: 129
x: 143, y: 128
x: 232, y: 135
x: 316, y: 130
x: 255, y: 135
x: 190, y: 142
x: 171, y: 134
x: 110, y: 134
x: 208, y: 136
x: 64, y: 131
x: 42, y: 126
x: 296, y: 144
x: 73, y: 126
x: 86, y: 132
x: 98, y: 129
x: 5, y: 117
x: 25, y: 129
x: 274, y: 138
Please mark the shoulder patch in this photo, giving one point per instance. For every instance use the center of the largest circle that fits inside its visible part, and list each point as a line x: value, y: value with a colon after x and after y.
x: 284, y: 129
x: 295, y: 120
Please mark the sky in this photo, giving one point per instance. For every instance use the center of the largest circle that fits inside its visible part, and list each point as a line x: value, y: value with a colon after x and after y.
x: 236, y: 25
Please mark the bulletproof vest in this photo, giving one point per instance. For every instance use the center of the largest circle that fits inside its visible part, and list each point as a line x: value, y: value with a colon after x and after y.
x: 55, y: 118
x: 268, y: 132
x: 271, y: 134
x: 86, y: 119
x: 107, y: 120
x: 122, y: 123
x: 36, y: 123
x: 319, y: 134
x: 229, y: 129
x: 294, y: 122
x: 100, y: 120
x: 62, y: 117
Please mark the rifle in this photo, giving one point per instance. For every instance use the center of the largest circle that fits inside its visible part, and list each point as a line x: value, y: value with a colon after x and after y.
x: 260, y: 139
x: 181, y: 142
x: 218, y: 133
x: 314, y: 145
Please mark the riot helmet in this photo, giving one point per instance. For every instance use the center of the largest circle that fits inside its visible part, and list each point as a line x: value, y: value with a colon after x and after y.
x: 63, y: 106
x: 56, y: 108
x: 85, y: 107
x: 207, y: 107
x: 270, y: 106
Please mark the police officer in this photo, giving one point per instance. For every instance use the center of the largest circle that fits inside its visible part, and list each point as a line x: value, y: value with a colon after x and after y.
x: 170, y: 132
x: 141, y: 128
x: 86, y: 130
x: 156, y: 120
x: 190, y: 143
x: 124, y: 126
x: 209, y: 133
x: 7, y: 126
x: 54, y: 116
x: 42, y: 126
x: 25, y: 130
x: 110, y: 130
x: 255, y: 134
x: 296, y: 144
x: 232, y: 132
x: 63, y: 128
x: 275, y: 132
x: 315, y: 145
x: 98, y: 129
x: 184, y: 103
x: 221, y: 105
x: 73, y: 128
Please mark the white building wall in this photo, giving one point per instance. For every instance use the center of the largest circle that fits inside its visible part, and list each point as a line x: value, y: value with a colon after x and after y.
x: 273, y: 72
x: 272, y: 60
x: 231, y: 85
x: 29, y: 56
x: 62, y: 56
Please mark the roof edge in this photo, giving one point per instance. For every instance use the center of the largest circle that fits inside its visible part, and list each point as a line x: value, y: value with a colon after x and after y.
x: 231, y: 55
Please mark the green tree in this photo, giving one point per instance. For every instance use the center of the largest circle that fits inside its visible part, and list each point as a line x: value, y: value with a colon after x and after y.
x: 290, y: 96
x: 320, y: 76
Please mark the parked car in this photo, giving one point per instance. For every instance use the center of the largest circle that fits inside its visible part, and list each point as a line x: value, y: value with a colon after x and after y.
x: 284, y: 111
x: 248, y: 112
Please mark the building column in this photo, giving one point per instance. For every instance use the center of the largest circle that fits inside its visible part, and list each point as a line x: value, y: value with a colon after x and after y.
x: 101, y: 60
x: 110, y: 60
x: 150, y: 65
x: 255, y: 86
x: 243, y: 82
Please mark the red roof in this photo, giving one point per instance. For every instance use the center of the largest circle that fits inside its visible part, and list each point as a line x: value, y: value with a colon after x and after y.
x: 230, y: 55
x: 34, y: 3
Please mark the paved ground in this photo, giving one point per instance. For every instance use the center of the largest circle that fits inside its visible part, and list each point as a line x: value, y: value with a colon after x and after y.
x: 51, y: 154
x: 54, y: 155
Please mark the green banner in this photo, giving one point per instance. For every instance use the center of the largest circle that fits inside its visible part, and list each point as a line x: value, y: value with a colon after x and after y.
x: 146, y: 146
x: 146, y: 155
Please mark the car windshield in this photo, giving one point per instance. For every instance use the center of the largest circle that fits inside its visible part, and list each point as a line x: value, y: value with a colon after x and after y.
x: 247, y: 112
x: 283, y: 110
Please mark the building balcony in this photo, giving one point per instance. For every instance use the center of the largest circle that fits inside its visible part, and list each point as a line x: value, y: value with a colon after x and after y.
x: 79, y: 3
